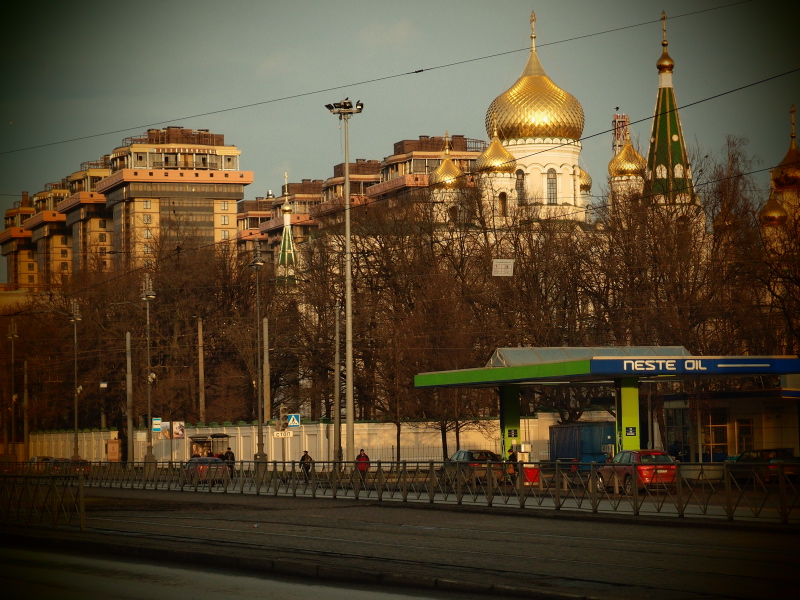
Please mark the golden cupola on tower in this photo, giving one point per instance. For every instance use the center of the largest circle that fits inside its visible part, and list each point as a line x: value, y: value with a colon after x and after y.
x: 495, y: 158
x: 787, y: 174
x: 585, y: 181
x: 772, y: 214
x: 665, y: 63
x: 447, y: 174
x: 535, y: 107
x: 628, y: 162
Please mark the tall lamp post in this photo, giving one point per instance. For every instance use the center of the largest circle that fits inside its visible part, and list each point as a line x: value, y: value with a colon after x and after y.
x: 256, y: 265
x: 147, y: 295
x: 345, y: 109
x: 74, y: 317
x: 12, y: 335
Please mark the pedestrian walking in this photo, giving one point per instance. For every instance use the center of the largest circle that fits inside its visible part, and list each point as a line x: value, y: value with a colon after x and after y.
x: 230, y: 458
x: 305, y: 463
x: 362, y: 462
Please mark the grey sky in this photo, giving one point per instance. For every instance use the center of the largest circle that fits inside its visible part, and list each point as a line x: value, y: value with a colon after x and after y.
x: 74, y: 69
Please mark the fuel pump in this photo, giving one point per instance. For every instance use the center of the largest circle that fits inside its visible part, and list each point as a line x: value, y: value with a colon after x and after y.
x: 528, y: 472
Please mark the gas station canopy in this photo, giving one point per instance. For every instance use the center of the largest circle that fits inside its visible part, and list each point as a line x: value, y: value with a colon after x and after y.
x: 604, y: 365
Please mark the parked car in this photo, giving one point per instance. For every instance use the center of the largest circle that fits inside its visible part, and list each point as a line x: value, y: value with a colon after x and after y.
x: 653, y: 469
x: 475, y: 463
x: 66, y: 466
x: 763, y: 464
x: 200, y: 470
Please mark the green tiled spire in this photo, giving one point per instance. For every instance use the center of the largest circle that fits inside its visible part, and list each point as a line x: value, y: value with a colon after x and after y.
x: 669, y: 176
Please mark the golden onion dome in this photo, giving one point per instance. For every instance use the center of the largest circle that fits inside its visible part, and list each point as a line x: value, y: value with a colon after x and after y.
x: 628, y: 162
x: 495, y: 158
x: 772, y: 214
x: 665, y: 63
x: 585, y: 182
x: 447, y: 174
x: 535, y: 106
x: 787, y: 173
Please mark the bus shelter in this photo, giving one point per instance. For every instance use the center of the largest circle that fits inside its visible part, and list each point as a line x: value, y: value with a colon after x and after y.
x: 625, y: 368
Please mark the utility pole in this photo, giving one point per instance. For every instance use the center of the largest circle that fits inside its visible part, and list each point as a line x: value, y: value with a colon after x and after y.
x: 129, y: 395
x: 201, y: 371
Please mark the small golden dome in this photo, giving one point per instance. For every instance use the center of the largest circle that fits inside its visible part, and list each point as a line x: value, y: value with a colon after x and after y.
x: 665, y: 64
x: 535, y: 106
x: 628, y: 162
x: 787, y: 173
x: 586, y: 181
x: 286, y: 209
x: 496, y: 159
x: 447, y: 174
x: 772, y: 214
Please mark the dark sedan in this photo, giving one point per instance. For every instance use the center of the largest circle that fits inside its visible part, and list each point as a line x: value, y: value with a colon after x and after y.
x: 763, y: 464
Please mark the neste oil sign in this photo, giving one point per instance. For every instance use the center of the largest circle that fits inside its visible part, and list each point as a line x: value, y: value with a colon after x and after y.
x: 701, y: 365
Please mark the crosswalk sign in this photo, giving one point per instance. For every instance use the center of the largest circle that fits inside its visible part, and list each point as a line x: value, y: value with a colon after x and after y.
x: 293, y: 420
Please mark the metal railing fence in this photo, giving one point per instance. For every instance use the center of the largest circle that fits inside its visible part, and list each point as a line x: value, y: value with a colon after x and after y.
x: 33, y: 499
x: 709, y: 490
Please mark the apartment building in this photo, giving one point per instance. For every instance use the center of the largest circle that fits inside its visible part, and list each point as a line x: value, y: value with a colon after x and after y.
x: 172, y: 184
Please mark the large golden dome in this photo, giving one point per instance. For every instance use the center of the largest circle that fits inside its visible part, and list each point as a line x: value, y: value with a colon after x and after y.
x: 628, y: 162
x: 535, y: 106
x: 447, y: 174
x: 496, y: 159
x: 787, y: 173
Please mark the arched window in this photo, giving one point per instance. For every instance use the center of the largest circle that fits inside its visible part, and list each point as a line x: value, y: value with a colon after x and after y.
x: 452, y: 213
x: 679, y: 171
x: 661, y: 172
x: 520, y: 187
x: 552, y: 187
x: 503, y: 202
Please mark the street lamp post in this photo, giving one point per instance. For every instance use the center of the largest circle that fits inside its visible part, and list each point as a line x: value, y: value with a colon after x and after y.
x: 147, y: 295
x: 74, y: 317
x: 12, y: 335
x: 256, y: 265
x: 345, y: 109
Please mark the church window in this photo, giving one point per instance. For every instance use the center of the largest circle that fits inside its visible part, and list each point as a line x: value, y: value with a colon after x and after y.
x: 503, y: 200
x: 679, y: 171
x: 661, y: 172
x: 552, y: 187
x: 452, y: 213
x: 520, y: 187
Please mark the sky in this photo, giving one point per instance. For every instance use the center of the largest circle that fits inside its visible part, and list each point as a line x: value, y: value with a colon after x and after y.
x: 79, y: 77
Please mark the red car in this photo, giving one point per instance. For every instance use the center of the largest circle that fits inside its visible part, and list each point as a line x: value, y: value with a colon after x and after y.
x: 653, y: 468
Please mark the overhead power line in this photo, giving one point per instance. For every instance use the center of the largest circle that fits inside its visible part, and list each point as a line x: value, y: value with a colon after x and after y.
x: 364, y: 82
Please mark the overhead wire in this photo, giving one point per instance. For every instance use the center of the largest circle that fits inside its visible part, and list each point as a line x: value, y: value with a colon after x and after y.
x: 367, y: 81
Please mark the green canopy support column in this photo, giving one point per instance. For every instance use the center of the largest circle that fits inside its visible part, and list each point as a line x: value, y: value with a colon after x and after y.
x: 509, y: 417
x: 627, y: 413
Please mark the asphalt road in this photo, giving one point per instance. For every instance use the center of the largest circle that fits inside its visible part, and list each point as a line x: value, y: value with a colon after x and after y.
x: 479, y: 552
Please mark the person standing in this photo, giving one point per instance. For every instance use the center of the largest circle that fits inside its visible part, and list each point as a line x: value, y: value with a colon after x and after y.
x: 230, y: 458
x: 512, y: 464
x: 362, y: 462
x: 305, y: 463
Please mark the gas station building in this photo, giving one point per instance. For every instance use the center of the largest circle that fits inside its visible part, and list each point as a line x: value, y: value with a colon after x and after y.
x: 727, y: 424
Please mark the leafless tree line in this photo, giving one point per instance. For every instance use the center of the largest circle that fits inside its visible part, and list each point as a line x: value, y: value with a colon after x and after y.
x: 704, y: 276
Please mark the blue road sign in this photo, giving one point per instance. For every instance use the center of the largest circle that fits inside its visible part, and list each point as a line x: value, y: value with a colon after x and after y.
x: 293, y: 420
